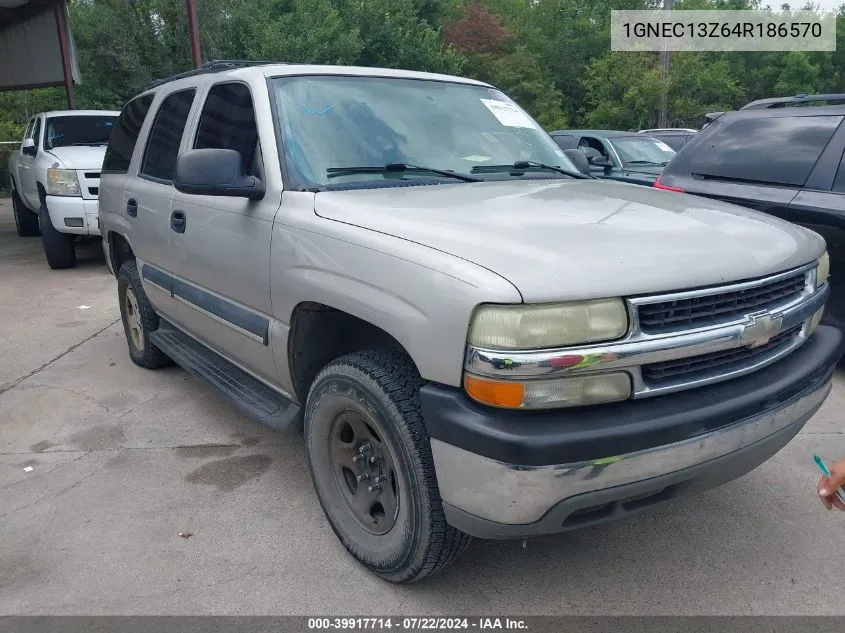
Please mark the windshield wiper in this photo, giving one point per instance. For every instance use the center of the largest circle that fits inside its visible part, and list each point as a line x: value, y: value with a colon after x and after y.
x: 647, y: 162
x: 331, y: 172
x: 524, y: 165
x: 91, y: 144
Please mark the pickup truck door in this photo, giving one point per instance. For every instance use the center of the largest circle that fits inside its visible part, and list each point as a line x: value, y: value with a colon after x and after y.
x: 220, y: 245
x: 26, y: 168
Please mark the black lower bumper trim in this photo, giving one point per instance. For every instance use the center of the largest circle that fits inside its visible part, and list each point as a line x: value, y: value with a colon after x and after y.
x: 538, y: 438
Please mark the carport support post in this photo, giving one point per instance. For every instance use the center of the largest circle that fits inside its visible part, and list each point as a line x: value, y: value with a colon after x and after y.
x: 193, y: 31
x: 64, y: 46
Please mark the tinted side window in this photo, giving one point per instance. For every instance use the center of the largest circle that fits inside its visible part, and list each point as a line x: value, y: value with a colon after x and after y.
x: 166, y: 135
x: 124, y: 136
x: 565, y: 142
x: 839, y: 181
x: 776, y: 150
x: 228, y: 122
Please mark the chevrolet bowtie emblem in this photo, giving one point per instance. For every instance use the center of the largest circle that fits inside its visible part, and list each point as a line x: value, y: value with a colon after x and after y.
x: 761, y: 329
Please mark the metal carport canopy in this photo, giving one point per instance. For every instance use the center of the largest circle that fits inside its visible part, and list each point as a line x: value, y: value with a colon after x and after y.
x: 36, y: 46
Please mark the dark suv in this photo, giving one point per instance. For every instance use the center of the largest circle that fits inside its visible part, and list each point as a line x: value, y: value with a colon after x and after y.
x: 781, y: 159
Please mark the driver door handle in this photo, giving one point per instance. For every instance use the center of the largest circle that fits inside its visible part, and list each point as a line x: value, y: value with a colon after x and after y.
x: 178, y: 221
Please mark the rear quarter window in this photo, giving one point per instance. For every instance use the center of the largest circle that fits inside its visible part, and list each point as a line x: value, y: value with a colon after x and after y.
x: 771, y: 150
x: 125, y: 135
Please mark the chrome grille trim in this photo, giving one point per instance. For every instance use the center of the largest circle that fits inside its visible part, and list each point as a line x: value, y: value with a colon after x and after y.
x: 638, y: 348
x: 679, y: 315
x: 640, y: 303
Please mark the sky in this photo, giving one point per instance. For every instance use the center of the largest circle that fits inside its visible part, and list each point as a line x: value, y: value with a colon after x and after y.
x: 824, y: 5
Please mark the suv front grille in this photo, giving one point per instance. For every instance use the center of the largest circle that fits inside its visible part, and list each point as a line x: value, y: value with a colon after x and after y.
x: 681, y: 314
x: 725, y: 361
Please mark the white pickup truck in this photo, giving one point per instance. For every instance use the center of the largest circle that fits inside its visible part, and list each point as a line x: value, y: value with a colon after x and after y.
x: 55, y: 179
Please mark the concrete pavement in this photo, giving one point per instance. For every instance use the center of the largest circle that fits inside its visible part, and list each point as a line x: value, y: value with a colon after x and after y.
x: 124, y: 459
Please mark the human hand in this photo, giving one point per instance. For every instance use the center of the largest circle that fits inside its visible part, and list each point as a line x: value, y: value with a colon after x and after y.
x: 828, y: 485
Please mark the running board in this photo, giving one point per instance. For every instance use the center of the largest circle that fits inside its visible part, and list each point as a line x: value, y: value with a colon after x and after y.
x: 251, y: 396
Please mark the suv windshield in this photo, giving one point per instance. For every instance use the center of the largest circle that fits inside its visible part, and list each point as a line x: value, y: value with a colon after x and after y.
x: 642, y: 150
x: 63, y: 131
x: 331, y: 124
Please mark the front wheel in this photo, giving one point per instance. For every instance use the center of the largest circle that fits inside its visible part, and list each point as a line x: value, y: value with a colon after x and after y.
x: 58, y: 247
x: 370, y: 460
x: 139, y: 318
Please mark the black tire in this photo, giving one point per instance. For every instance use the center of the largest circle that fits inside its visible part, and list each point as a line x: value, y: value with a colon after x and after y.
x: 382, y: 389
x: 139, y: 319
x: 58, y: 247
x: 26, y: 222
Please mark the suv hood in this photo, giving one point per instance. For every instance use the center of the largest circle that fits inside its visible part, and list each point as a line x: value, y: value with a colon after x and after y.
x: 580, y: 239
x: 79, y: 156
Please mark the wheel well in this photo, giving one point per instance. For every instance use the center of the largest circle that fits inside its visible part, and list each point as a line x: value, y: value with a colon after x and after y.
x: 42, y: 192
x: 119, y: 251
x: 319, y: 334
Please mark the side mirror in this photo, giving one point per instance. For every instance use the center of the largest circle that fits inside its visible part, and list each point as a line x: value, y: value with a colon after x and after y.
x: 215, y: 172
x: 28, y: 147
x: 601, y: 161
x: 579, y: 160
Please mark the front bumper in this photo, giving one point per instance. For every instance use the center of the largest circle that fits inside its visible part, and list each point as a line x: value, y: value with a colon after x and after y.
x: 73, y: 210
x: 513, y: 474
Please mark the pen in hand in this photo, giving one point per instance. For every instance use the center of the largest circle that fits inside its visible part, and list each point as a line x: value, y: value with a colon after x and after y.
x: 830, y: 486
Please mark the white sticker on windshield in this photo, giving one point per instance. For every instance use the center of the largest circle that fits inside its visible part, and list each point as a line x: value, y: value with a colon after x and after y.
x: 664, y: 147
x: 508, y: 114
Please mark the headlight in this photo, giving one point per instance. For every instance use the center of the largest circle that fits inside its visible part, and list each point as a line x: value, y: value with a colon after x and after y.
x: 62, y: 182
x: 548, y: 325
x: 823, y: 271
x: 548, y: 394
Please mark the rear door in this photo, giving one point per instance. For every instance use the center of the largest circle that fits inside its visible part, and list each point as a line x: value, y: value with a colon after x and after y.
x: 114, y: 176
x: 220, y: 251
x: 822, y: 209
x: 148, y: 195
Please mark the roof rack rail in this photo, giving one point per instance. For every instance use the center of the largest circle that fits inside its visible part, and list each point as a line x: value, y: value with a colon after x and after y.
x: 781, y: 102
x: 213, y: 66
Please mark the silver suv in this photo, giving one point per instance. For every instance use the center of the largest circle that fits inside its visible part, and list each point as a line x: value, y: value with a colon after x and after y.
x: 478, y: 339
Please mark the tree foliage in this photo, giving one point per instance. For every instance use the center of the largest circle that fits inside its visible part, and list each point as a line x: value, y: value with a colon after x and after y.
x: 551, y: 56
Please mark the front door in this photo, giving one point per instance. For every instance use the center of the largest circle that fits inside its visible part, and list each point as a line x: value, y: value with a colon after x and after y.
x: 220, y: 245
x: 28, y: 183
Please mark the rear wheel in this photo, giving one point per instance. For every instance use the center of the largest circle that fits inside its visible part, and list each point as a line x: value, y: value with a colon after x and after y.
x: 26, y: 222
x: 370, y: 460
x: 58, y: 247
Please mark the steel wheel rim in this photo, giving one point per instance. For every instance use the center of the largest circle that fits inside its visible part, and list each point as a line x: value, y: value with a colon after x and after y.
x: 364, y: 472
x: 133, y: 319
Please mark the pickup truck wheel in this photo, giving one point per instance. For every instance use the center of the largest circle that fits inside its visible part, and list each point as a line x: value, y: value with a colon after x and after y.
x: 370, y: 460
x: 58, y: 247
x: 139, y: 319
x: 26, y: 222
